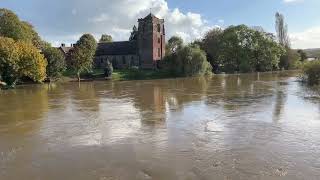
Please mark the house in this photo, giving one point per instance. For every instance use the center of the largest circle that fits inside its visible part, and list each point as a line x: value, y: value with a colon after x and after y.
x: 144, y: 49
x: 312, y: 58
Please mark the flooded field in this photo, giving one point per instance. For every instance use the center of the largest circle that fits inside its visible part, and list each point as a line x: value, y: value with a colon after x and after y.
x: 251, y: 126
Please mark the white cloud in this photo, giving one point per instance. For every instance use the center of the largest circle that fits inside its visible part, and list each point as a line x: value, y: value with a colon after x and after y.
x: 309, y: 38
x: 115, y: 18
x: 292, y: 1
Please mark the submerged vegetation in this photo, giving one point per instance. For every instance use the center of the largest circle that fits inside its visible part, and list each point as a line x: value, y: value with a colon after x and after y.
x: 312, y: 72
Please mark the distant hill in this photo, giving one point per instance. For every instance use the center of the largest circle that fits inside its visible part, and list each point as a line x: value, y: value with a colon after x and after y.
x: 313, y: 52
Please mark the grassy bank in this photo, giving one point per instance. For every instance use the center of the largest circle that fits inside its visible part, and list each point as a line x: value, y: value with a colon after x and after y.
x: 119, y: 75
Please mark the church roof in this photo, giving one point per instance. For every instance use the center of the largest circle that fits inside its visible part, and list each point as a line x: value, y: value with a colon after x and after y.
x: 150, y: 16
x: 117, y: 48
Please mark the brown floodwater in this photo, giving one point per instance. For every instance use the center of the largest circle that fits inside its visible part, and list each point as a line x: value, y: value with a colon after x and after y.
x: 250, y: 126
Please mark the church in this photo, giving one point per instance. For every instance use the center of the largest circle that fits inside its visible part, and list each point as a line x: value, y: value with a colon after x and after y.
x: 145, y: 48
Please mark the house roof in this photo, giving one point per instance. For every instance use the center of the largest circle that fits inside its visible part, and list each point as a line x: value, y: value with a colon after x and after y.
x: 117, y: 48
x: 66, y: 50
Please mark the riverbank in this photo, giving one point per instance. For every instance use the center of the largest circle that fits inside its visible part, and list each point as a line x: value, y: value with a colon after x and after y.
x: 117, y: 75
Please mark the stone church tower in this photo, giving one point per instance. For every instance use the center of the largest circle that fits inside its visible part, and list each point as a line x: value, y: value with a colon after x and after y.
x: 151, y: 41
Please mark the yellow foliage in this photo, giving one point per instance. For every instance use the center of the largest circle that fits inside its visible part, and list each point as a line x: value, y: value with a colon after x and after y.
x: 18, y: 59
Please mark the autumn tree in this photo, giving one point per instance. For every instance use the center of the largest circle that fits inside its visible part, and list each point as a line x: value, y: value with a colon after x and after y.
x: 20, y: 59
x: 82, y: 55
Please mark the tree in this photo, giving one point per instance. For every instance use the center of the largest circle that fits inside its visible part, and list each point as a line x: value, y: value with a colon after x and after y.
x: 240, y: 48
x: 20, y: 59
x: 175, y: 43
x: 82, y: 55
x: 188, y: 61
x: 210, y: 44
x: 302, y: 54
x: 105, y: 38
x: 284, y: 40
x: 56, y: 62
x: 282, y: 30
x: 12, y: 27
x: 134, y: 34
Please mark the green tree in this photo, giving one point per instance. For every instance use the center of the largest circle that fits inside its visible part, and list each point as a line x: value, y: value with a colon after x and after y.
x: 312, y: 72
x: 20, y: 59
x: 134, y: 34
x: 244, y: 49
x: 12, y: 27
x: 56, y: 62
x: 175, y: 43
x: 302, y: 54
x: 211, y: 45
x: 188, y: 61
x: 82, y: 55
x: 105, y: 38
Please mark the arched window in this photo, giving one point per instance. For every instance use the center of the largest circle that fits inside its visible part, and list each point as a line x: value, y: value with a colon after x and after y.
x: 159, y: 27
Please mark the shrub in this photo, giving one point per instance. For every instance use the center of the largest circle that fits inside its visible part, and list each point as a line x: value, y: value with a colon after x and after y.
x: 312, y: 72
x: 108, y: 70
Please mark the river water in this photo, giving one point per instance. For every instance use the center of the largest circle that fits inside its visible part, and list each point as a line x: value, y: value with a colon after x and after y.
x: 251, y: 126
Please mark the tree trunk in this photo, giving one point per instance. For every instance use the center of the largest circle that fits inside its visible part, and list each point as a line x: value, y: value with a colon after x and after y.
x: 78, y: 76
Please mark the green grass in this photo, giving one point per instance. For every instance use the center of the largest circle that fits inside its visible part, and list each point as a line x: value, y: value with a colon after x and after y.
x: 122, y: 75
x: 132, y: 74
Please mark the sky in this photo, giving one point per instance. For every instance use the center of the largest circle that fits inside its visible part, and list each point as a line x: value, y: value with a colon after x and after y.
x: 64, y: 21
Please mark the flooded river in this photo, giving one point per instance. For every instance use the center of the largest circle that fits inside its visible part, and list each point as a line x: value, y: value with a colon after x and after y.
x: 251, y: 126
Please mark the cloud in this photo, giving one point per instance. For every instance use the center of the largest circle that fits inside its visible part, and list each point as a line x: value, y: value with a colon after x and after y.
x: 292, y: 1
x: 114, y: 17
x: 306, y: 39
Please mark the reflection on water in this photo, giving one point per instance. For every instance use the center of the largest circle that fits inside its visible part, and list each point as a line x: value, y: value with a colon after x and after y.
x: 250, y: 126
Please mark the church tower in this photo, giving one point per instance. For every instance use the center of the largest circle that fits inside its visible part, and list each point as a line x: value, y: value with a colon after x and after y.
x: 151, y: 41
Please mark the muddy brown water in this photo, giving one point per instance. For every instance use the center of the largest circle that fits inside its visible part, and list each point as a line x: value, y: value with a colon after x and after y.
x: 251, y: 126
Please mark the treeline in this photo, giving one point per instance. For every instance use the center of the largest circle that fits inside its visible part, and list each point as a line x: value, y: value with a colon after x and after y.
x: 24, y: 55
x: 244, y: 49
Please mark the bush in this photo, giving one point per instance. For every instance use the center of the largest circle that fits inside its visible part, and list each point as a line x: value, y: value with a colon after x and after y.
x: 108, y: 70
x: 312, y: 72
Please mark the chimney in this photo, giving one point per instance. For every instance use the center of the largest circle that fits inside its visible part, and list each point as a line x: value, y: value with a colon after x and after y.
x: 63, y: 45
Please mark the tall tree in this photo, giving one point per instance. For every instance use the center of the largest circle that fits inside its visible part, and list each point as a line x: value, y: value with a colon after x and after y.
x: 105, y: 38
x: 134, y: 34
x: 56, y: 63
x: 83, y: 53
x: 286, y: 61
x: 282, y: 30
x: 210, y: 45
